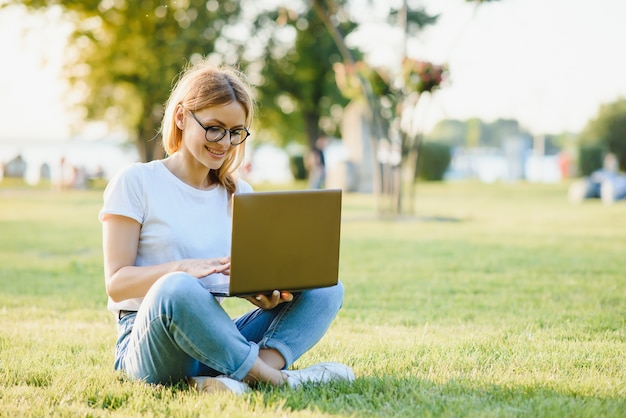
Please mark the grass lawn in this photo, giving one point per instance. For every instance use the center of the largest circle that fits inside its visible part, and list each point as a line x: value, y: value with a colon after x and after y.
x: 496, y: 300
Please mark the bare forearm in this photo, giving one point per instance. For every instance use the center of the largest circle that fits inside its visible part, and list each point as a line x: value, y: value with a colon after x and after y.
x: 134, y: 282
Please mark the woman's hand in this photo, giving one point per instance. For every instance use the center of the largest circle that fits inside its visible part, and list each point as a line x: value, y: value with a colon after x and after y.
x: 201, y: 267
x: 267, y: 302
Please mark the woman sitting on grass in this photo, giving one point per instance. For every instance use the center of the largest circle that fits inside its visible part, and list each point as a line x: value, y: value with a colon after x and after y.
x: 166, y: 224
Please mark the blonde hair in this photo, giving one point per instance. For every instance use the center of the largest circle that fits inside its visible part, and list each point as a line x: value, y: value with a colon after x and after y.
x: 199, y: 87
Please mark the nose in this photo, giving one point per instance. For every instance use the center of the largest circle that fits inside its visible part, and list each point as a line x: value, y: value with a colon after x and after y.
x: 226, y: 137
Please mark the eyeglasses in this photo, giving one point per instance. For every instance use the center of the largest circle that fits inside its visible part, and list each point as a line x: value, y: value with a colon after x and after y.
x: 216, y: 133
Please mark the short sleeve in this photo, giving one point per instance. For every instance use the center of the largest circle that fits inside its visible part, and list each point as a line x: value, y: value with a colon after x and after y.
x: 243, y: 187
x: 124, y: 194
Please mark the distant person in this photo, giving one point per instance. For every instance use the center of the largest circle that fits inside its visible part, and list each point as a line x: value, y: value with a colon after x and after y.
x: 65, y: 178
x: 79, y: 180
x: 167, y: 223
x: 607, y: 184
x: 317, y: 165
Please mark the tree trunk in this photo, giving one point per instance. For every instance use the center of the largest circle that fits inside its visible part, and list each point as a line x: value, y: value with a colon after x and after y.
x: 148, y: 139
x: 311, y: 123
x: 376, y: 126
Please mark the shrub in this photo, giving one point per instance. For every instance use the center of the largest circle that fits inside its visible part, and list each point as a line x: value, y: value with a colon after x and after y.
x: 590, y: 159
x: 298, y: 169
x: 433, y: 161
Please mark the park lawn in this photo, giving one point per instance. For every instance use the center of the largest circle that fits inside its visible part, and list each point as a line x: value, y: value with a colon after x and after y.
x: 492, y: 300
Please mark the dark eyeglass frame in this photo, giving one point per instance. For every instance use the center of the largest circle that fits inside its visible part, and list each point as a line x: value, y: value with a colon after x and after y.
x: 243, y: 133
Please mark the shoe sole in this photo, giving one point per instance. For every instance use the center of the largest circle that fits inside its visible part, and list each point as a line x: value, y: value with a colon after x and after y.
x: 208, y: 385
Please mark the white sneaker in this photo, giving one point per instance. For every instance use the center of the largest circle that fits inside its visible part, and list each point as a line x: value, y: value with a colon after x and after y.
x: 607, y: 192
x: 319, y: 373
x: 577, y: 191
x: 218, y: 384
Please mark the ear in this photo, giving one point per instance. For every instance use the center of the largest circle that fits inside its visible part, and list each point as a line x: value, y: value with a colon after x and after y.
x: 179, y: 117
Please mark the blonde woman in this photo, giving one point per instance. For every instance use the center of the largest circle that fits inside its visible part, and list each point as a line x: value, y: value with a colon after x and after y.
x: 166, y: 224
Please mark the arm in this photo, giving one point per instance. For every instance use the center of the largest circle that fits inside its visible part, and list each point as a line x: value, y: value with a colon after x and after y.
x: 124, y: 280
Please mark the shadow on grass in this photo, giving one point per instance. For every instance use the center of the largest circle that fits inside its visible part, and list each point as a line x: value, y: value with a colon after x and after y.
x: 409, y: 397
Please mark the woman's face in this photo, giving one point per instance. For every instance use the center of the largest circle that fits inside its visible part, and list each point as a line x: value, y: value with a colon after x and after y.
x: 210, y: 154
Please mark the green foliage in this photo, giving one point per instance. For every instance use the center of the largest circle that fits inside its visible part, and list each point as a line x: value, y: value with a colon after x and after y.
x: 298, y: 94
x: 553, y: 144
x: 422, y: 76
x: 444, y: 314
x: 608, y: 129
x: 448, y: 131
x: 417, y: 19
x: 590, y: 158
x: 433, y: 161
x: 475, y: 132
x: 297, y: 167
x: 298, y: 97
x: 125, y: 55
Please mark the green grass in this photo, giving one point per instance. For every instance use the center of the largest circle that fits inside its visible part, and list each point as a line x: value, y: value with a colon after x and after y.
x: 493, y: 300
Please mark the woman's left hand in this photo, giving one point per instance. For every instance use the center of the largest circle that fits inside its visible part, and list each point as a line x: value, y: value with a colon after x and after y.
x: 267, y: 302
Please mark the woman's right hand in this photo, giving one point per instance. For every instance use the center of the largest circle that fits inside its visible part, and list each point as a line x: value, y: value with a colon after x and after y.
x: 202, y: 267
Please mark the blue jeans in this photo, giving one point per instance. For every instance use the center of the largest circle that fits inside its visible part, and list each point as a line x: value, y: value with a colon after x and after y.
x: 181, y: 330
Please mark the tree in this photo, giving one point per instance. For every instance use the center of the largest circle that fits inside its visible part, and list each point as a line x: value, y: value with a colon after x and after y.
x: 297, y: 94
x: 608, y: 130
x: 124, y: 56
x: 449, y: 131
x: 392, y: 95
x: 394, y: 133
x: 476, y: 133
x: 298, y: 73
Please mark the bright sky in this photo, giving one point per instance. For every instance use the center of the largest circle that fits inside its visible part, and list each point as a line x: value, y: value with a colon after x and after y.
x: 548, y: 63
x: 31, y: 94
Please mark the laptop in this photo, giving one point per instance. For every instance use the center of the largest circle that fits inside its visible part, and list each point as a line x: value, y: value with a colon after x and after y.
x: 286, y: 240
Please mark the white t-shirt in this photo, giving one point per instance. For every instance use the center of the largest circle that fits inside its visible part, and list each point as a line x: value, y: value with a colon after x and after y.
x: 177, y: 221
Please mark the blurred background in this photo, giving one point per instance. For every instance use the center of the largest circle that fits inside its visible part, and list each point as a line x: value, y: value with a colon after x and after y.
x: 366, y: 95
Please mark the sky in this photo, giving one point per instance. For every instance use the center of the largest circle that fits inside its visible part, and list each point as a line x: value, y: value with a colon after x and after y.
x: 548, y: 63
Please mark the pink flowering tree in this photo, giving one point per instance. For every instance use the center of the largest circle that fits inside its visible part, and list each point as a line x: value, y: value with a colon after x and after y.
x: 391, y: 96
x: 395, y: 139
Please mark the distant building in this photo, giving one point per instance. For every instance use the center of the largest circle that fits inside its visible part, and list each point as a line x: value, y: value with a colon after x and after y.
x: 44, y: 172
x: 15, y: 168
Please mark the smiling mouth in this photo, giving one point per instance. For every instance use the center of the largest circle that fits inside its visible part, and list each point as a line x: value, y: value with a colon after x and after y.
x: 215, y: 152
